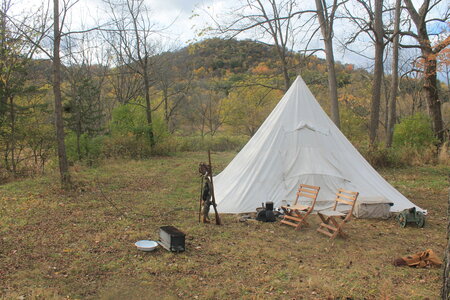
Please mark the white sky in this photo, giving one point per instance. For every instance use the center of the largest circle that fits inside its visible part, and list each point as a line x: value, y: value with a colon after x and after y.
x: 184, y: 26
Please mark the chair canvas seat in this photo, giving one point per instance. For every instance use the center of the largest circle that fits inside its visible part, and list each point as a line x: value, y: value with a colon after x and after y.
x: 297, y: 207
x: 332, y: 213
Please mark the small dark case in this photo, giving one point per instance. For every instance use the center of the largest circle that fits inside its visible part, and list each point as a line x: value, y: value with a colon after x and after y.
x: 172, y: 239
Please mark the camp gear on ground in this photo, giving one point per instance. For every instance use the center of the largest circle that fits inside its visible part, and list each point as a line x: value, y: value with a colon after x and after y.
x: 207, y: 196
x: 422, y: 259
x: 145, y: 245
x: 258, y: 209
x: 244, y: 218
x: 204, y: 169
x: 266, y: 214
x: 296, y: 214
x: 331, y: 225
x: 269, y: 205
x: 298, y: 143
x: 411, y: 215
x: 206, y: 199
x: 213, y: 198
x: 372, y: 208
x: 172, y: 239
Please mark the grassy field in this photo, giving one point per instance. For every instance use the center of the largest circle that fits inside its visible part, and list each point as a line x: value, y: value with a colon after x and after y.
x: 79, y: 244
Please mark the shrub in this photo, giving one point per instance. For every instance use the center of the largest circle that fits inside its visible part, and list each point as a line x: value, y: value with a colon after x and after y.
x: 126, y: 146
x: 90, y: 148
x: 444, y: 154
x: 166, y: 146
x: 217, y: 143
x: 414, y: 132
x: 129, y: 134
x: 381, y: 157
x: 5, y: 175
x: 414, y: 142
x: 227, y: 143
x: 352, y: 125
x: 127, y: 119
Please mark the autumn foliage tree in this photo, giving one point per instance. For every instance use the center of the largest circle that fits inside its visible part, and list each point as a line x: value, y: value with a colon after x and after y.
x: 248, y: 107
x: 429, y: 52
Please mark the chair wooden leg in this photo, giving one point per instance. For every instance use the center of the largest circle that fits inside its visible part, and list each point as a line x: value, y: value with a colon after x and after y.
x: 323, y: 218
x: 330, y: 227
x: 325, y: 222
x: 339, y: 230
x: 336, y: 228
x: 292, y: 219
x: 295, y: 219
x: 343, y: 234
x: 301, y: 224
x: 324, y: 227
x: 302, y: 221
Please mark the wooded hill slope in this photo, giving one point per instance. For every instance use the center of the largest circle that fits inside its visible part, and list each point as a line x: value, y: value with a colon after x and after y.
x: 211, y: 94
x: 235, y: 66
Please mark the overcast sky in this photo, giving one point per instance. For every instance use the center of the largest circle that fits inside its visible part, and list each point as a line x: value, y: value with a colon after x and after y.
x: 177, y: 14
x: 185, y: 18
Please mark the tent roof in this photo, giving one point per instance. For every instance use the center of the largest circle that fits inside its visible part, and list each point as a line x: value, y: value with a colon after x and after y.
x: 298, y: 143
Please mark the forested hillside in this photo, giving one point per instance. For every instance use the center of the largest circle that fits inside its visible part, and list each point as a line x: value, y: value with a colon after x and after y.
x: 211, y: 94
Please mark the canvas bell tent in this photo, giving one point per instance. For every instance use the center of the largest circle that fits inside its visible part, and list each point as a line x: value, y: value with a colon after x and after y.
x: 298, y: 143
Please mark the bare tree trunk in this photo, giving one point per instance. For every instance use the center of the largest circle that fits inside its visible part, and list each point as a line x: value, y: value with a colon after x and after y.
x: 166, y: 107
x: 392, y: 110
x: 445, y: 295
x: 13, y: 135
x: 332, y: 83
x: 148, y: 110
x: 5, y: 157
x: 431, y: 94
x: 202, y: 130
x: 387, y: 98
x: 78, y: 146
x: 210, y: 121
x: 287, y: 80
x: 3, y: 53
x: 326, y: 27
x: 59, y: 124
x: 447, y: 73
x: 378, y: 72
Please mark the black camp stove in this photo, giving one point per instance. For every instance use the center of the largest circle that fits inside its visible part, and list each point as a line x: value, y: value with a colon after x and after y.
x: 265, y: 213
x: 172, y: 239
x: 269, y: 206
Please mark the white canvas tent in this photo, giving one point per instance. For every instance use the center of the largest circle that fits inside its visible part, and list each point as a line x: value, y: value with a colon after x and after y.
x: 298, y: 143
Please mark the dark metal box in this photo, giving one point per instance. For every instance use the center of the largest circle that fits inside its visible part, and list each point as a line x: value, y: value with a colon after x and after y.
x: 172, y: 239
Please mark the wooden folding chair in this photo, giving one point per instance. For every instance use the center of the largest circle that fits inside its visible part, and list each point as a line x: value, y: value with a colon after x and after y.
x: 296, y: 214
x: 330, y: 225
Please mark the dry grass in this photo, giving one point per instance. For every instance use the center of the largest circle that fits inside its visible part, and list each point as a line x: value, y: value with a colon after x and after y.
x: 444, y: 154
x: 56, y: 244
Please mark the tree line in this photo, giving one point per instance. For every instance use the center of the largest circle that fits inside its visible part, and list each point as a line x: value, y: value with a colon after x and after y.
x: 119, y: 86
